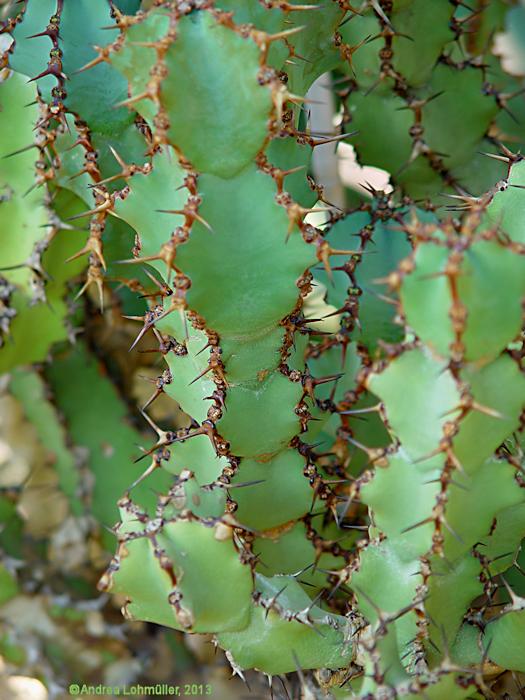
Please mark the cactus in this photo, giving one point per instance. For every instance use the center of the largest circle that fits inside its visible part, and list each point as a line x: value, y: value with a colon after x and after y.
x: 405, y: 67
x: 334, y: 484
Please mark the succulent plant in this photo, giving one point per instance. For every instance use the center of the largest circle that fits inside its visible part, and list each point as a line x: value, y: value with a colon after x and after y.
x: 334, y: 484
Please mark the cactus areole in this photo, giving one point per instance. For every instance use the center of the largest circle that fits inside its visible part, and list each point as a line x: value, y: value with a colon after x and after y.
x: 334, y: 487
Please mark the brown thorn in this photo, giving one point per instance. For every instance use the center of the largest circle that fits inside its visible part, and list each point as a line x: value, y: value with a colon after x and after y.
x: 91, y: 64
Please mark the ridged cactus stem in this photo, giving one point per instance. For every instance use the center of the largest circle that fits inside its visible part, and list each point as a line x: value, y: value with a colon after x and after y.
x: 333, y: 483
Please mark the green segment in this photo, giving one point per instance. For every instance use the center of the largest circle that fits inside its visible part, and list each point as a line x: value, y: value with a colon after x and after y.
x: 230, y: 131
x: 248, y: 227
x: 179, y: 560
x: 288, y: 633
